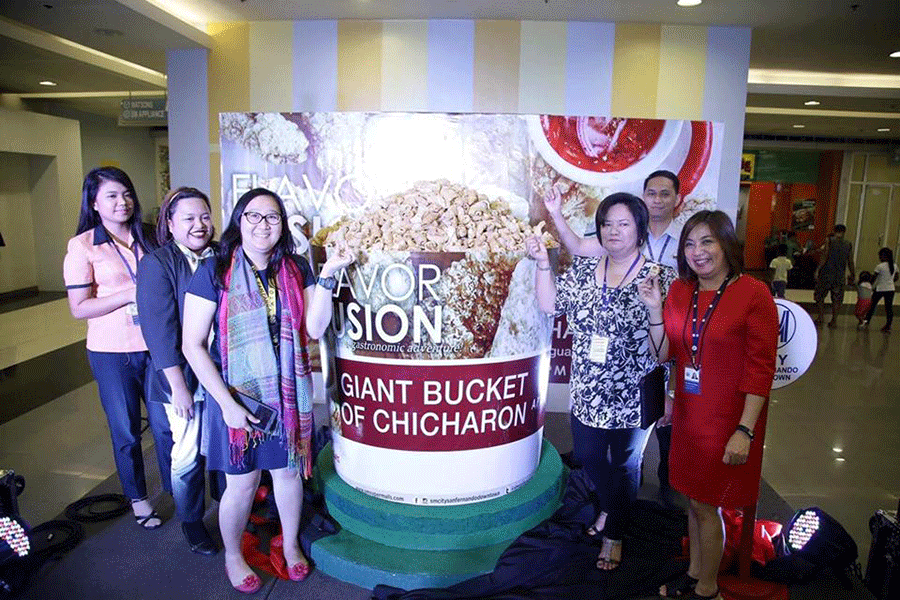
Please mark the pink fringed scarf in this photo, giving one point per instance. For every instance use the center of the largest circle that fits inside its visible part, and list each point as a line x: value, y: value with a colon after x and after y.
x: 250, y: 364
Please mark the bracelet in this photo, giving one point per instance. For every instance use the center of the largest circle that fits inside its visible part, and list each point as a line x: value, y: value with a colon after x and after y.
x: 540, y: 268
x: 654, y: 324
x: 745, y: 430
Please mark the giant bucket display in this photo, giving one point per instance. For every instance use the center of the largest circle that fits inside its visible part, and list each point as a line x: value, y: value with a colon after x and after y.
x: 437, y: 366
x: 441, y: 353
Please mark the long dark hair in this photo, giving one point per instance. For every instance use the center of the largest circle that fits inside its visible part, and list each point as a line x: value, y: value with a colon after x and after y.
x: 170, y: 203
x: 231, y: 237
x: 635, y: 206
x: 90, y: 218
x: 887, y: 255
x: 722, y: 229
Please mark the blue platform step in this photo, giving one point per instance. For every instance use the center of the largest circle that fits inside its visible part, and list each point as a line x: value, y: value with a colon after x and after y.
x: 411, y: 546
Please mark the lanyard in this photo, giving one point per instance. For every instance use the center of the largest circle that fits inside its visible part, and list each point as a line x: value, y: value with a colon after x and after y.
x: 270, y: 296
x: 127, y: 266
x: 604, y: 298
x: 698, y: 331
x: 662, y: 252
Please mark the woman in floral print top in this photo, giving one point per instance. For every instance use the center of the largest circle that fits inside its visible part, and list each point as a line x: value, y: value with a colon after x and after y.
x: 610, y: 354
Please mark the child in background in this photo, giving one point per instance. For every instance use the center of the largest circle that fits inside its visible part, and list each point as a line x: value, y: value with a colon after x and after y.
x: 782, y: 264
x: 863, y: 296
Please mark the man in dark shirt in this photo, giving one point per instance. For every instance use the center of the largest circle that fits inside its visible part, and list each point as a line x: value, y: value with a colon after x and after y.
x: 837, y: 257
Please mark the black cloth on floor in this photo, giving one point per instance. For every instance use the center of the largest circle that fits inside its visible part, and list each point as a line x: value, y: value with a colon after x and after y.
x: 557, y: 560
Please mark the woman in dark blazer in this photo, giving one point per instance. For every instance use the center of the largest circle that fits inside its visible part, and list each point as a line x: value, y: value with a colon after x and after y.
x: 185, y: 231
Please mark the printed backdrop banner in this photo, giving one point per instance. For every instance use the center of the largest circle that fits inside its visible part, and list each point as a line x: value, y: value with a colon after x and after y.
x: 439, y: 358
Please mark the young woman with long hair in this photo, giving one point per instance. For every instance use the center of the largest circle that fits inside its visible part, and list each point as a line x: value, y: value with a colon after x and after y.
x: 100, y: 273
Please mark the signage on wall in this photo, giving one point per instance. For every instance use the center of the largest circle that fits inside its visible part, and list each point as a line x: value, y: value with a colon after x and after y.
x: 143, y: 112
x: 748, y: 166
x: 797, y: 343
x: 784, y: 166
x: 803, y: 215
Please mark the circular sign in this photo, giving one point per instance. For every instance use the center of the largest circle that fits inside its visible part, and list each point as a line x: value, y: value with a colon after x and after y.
x: 797, y: 343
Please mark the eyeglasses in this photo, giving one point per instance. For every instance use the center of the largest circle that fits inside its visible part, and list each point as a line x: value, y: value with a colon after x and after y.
x: 254, y: 218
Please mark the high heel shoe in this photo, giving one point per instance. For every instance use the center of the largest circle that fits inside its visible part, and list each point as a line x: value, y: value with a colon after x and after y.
x: 299, y: 571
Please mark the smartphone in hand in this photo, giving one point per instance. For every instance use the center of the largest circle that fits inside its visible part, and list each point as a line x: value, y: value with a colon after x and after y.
x: 268, y: 416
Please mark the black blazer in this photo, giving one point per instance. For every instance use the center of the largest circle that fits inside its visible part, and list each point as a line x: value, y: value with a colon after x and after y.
x: 162, y: 280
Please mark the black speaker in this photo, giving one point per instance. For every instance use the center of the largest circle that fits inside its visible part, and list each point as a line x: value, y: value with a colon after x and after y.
x: 11, y: 485
x: 883, y: 569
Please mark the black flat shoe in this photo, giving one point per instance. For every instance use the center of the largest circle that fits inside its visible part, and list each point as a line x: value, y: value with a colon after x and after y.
x: 198, y: 538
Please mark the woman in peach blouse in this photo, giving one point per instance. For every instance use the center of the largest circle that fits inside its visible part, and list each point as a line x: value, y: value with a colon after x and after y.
x: 100, y: 273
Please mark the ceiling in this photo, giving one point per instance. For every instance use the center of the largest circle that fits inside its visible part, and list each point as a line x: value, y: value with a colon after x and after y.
x: 836, y: 37
x: 22, y: 66
x: 817, y: 35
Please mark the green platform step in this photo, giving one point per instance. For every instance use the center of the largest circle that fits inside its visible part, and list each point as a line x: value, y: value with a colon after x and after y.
x: 411, y: 546
x: 364, y: 563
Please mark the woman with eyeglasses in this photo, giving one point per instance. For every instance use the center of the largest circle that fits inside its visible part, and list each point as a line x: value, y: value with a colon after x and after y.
x: 100, y: 273
x: 262, y: 302
x: 185, y: 231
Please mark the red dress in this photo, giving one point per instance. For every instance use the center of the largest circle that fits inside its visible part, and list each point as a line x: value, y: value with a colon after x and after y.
x: 737, y: 357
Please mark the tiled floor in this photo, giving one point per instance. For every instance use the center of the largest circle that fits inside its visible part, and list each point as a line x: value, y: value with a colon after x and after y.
x: 850, y: 400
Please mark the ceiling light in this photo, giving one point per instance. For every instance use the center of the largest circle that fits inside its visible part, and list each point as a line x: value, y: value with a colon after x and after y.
x: 895, y: 54
x: 840, y: 459
x: 884, y: 129
x: 837, y: 449
x: 47, y: 82
x: 798, y: 126
x: 812, y: 103
x: 689, y: 2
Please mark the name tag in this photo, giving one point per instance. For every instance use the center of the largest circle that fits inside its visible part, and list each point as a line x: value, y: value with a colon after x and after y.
x: 692, y: 381
x: 599, y: 347
x: 132, y: 311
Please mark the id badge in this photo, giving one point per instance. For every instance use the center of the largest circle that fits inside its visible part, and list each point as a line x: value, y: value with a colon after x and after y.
x: 599, y: 347
x: 132, y: 311
x: 692, y: 381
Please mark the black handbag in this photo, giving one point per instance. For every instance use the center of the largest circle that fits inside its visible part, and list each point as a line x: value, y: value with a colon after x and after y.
x: 883, y: 569
x: 653, y: 396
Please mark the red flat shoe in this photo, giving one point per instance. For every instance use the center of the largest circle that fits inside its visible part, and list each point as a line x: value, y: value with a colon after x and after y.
x: 299, y: 571
x: 250, y: 585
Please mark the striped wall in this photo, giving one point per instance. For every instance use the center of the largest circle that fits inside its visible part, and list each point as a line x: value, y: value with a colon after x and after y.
x: 622, y: 69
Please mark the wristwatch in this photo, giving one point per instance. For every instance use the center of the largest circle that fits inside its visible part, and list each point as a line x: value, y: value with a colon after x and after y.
x: 746, y: 431
x: 329, y: 283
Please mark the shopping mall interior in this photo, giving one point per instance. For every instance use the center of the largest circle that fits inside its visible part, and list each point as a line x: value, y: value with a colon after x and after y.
x: 806, y: 98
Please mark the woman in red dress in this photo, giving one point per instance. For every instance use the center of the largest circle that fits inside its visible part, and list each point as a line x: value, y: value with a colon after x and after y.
x: 721, y: 329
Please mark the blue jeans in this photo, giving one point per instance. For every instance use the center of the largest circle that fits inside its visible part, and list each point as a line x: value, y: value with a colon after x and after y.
x: 612, y: 459
x: 123, y: 379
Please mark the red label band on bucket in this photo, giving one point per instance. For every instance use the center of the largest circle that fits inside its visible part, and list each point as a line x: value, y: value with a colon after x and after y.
x: 441, y: 407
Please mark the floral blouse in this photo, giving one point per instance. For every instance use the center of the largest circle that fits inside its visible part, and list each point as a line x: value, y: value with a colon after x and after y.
x: 607, y: 395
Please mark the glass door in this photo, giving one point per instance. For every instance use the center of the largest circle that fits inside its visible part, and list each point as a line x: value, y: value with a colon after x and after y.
x: 873, y: 225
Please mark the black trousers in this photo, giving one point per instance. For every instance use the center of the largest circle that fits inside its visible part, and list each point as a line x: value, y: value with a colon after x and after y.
x: 612, y: 459
x: 888, y: 307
